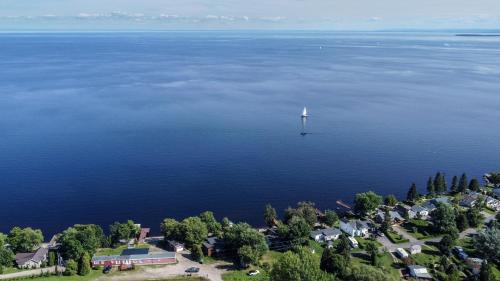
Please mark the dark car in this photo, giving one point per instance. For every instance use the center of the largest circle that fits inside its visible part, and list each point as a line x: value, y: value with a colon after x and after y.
x: 107, y: 269
x: 192, y: 270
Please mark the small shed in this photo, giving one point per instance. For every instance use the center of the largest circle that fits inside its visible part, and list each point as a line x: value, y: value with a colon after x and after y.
x: 415, y: 249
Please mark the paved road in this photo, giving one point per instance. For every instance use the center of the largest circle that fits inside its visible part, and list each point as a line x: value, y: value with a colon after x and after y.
x: 211, y: 271
x: 29, y: 273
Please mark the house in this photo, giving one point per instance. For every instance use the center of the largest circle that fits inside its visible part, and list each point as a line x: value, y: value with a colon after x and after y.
x: 354, y: 227
x: 468, y: 201
x: 212, y: 246
x: 142, y: 257
x: 415, y: 249
x: 419, y: 272
x: 401, y: 253
x: 175, y: 246
x: 395, y: 217
x: 353, y: 242
x: 418, y: 211
x: 32, y: 260
x: 327, y: 234
x: 492, y: 203
x: 474, y: 264
x: 442, y: 200
x: 143, y: 234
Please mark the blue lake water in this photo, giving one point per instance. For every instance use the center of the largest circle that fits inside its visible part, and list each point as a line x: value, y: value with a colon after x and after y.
x: 112, y: 126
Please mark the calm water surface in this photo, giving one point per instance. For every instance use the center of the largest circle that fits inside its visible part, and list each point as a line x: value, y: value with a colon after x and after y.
x: 102, y: 127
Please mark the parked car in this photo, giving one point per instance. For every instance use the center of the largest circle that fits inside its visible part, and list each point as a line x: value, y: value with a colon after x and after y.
x: 253, y: 272
x: 192, y: 270
x: 459, y: 251
x: 107, y: 269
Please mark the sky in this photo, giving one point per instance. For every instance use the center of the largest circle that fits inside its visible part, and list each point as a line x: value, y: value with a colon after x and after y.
x: 254, y: 14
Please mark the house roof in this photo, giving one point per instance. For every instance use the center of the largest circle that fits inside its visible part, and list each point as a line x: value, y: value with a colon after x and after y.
x: 419, y: 271
x: 38, y: 256
x: 331, y: 231
x: 416, y: 247
x: 159, y: 255
x: 418, y: 208
x: 441, y: 200
x: 315, y: 233
x: 136, y: 251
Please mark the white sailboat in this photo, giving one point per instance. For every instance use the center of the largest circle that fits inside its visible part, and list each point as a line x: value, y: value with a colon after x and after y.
x: 304, y: 113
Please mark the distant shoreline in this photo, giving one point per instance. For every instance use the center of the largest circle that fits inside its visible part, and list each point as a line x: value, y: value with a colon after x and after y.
x: 477, y: 35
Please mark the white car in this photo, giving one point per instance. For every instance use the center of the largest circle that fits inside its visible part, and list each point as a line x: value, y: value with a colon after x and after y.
x: 253, y: 272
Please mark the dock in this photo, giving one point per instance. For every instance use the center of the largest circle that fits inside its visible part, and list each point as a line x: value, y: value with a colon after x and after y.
x: 341, y: 203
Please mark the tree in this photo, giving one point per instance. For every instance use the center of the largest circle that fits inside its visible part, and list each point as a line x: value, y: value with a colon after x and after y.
x: 123, y: 231
x: 486, y: 273
x: 386, y: 224
x: 474, y: 185
x: 454, y: 184
x: 331, y: 218
x: 412, y: 193
x: 462, y: 221
x: 81, y: 238
x: 344, y: 247
x: 474, y: 216
x: 431, y: 188
x: 6, y: 254
x: 171, y: 229
x: 390, y: 200
x: 367, y: 202
x: 462, y: 184
x: 24, y: 239
x: 213, y: 225
x: 84, y: 265
x: 298, y: 229
x: 372, y: 250
x: 443, y: 218
x: 71, y: 268
x: 487, y: 243
x: 52, y: 258
x: 194, y: 231
x: 241, y: 235
x: 226, y: 224
x: 440, y: 183
x: 196, y: 252
x: 446, y: 244
x: 334, y: 263
x: 306, y: 210
x: 270, y: 215
x: 300, y: 266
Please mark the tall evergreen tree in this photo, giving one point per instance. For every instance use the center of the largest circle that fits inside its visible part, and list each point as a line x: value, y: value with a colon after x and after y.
x: 270, y: 215
x: 474, y: 185
x: 412, y: 193
x: 462, y: 184
x: 454, y: 184
x: 439, y: 183
x: 344, y: 248
x: 486, y: 274
x: 431, y: 189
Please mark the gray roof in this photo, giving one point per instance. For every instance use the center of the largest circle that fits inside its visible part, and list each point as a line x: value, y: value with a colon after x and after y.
x: 441, y: 200
x: 418, y: 208
x: 419, y: 274
x: 159, y: 255
x: 314, y: 233
x: 38, y: 256
x: 331, y: 231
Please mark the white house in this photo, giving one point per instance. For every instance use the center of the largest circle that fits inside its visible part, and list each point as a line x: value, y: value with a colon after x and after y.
x: 32, y: 260
x: 401, y: 253
x: 353, y: 242
x: 324, y: 235
x: 354, y: 227
x: 415, y: 249
x: 418, y: 211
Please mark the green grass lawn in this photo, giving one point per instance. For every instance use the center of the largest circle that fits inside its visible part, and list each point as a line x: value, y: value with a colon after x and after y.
x: 271, y: 257
x: 93, y: 275
x: 386, y: 263
x: 117, y: 250
x: 395, y: 237
x: 362, y: 244
x: 422, y: 228
x: 12, y: 270
x: 241, y: 275
x: 429, y: 256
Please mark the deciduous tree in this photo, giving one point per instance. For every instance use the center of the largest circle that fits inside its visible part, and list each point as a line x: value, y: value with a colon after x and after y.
x: 84, y: 265
x: 367, y: 202
x: 300, y: 266
x: 331, y: 217
x: 24, y: 239
x: 390, y: 200
x: 213, y: 225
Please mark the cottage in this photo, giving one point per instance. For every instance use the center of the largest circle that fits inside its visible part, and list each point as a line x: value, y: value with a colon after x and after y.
x: 492, y: 203
x: 354, y: 227
x: 212, y: 246
x: 468, y: 201
x: 139, y: 257
x: 402, y: 253
x: 419, y: 272
x: 175, y: 246
x: 395, y: 217
x: 415, y: 249
x: 418, y: 211
x: 32, y: 260
x: 327, y: 234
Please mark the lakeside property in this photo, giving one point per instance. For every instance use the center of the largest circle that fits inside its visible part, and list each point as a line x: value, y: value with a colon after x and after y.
x: 450, y: 233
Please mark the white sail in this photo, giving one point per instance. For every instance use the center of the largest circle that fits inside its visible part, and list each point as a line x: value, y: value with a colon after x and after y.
x: 304, y: 112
